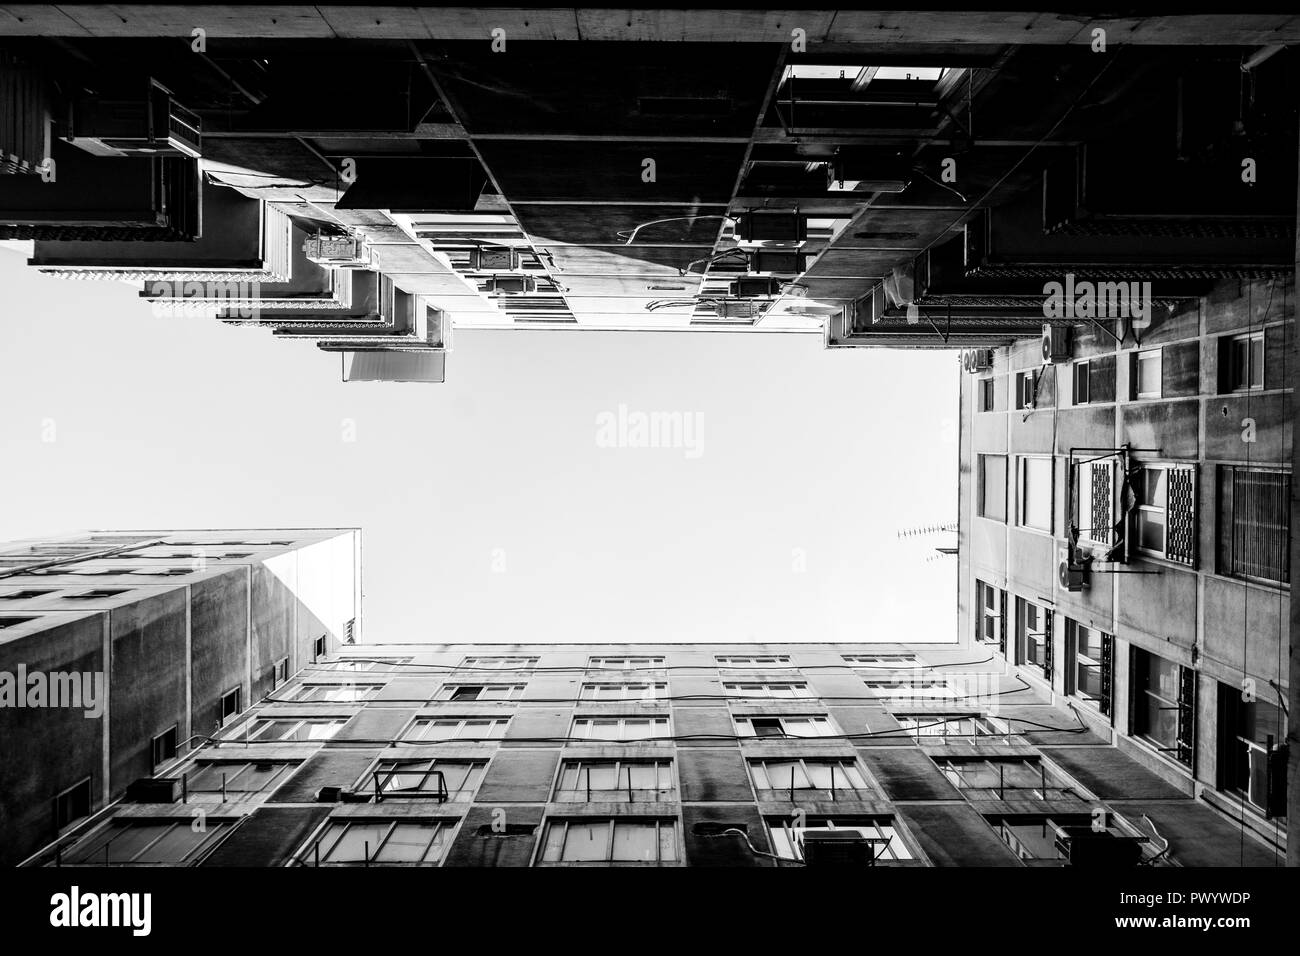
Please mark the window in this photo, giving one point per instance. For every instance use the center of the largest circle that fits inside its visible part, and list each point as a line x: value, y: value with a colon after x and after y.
x: 829, y: 775
x: 733, y: 660
x: 380, y: 843
x: 1164, y: 704
x: 279, y: 728
x: 158, y: 572
x: 1026, y: 389
x: 620, y: 728
x: 457, y: 728
x: 24, y: 595
x: 623, y: 691
x: 1034, y: 493
x: 610, y: 841
x: 1036, y: 837
x: 500, y: 663
x: 13, y: 621
x: 1034, y: 635
x: 989, y: 623
x: 984, y: 389
x: 763, y: 725
x: 1250, y: 732
x: 1080, y: 371
x: 96, y: 594
x: 991, y: 487
x: 147, y: 842
x: 1254, y: 538
x: 279, y: 672
x: 912, y: 689
x: 238, y: 780
x: 72, y: 804
x: 319, y: 648
x: 1146, y: 374
x: 888, y: 661
x: 952, y: 725
x: 163, y: 747
x: 1241, y: 362
x: 86, y: 572
x: 1090, y: 672
x: 774, y: 689
x: 230, y: 706
x: 1166, y: 511
x: 625, y: 663
x: 343, y: 693
x: 480, y: 691
x: 1003, y: 778
x: 587, y: 781
x: 787, y: 838
x: 1094, y: 501
x: 436, y: 779
x: 365, y: 665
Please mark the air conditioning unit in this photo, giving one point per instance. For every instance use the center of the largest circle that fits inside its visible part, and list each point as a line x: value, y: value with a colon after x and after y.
x: 493, y: 259
x: 785, y: 262
x: 154, y: 790
x: 837, y: 848
x: 1072, y: 574
x: 329, y: 794
x: 338, y: 252
x: 152, y: 124
x: 1056, y: 344
x: 977, y: 360
x: 775, y: 226
x: 511, y: 285
x: 1083, y: 846
x: 755, y: 287
x: 1277, y: 767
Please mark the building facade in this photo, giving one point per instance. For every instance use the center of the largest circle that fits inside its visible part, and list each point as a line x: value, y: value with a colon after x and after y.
x: 1125, y: 535
x: 120, y: 651
x: 656, y: 755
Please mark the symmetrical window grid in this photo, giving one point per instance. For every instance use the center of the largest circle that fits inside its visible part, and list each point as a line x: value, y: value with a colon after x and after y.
x: 620, y: 728
x: 624, y: 691
x: 952, y: 725
x: 1090, y: 665
x: 883, y: 661
x: 499, y: 663
x: 788, y: 837
x: 277, y: 729
x: 1243, y: 356
x: 1254, y: 534
x: 738, y: 660
x: 1003, y: 778
x: 791, y: 775
x: 1146, y: 374
x: 1034, y: 634
x: 380, y: 843
x: 1163, y: 704
x: 136, y: 842
x: 990, y: 624
x: 899, y: 689
x: 1166, y: 511
x: 766, y: 689
x: 625, y: 663
x: 619, y: 840
x: 1251, y: 731
x: 480, y: 691
x: 599, y: 781
x: 1034, y: 492
x: 1081, y: 392
x: 767, y: 725
x: 991, y: 487
x: 338, y: 693
x: 237, y: 780
x: 457, y: 728
x: 434, y: 779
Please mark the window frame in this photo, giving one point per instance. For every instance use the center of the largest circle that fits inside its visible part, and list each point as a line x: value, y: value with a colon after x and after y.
x: 981, y: 487
x: 848, y: 767
x: 799, y: 689
x: 497, y: 722
x: 1023, y: 497
x: 443, y: 835
x: 1080, y: 372
x: 263, y: 722
x: 1141, y: 510
x: 791, y: 836
x: 387, y: 768
x: 1233, y: 376
x: 1138, y: 357
x: 544, y: 844
x: 588, y: 721
x: 663, y: 771
x: 743, y: 721
x: 214, y: 832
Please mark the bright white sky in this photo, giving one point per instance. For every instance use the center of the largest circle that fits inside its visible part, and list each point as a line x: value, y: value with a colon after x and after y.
x: 489, y: 509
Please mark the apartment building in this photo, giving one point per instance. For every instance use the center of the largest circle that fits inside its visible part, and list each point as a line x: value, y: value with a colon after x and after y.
x: 120, y: 651
x: 656, y: 755
x: 1125, y: 535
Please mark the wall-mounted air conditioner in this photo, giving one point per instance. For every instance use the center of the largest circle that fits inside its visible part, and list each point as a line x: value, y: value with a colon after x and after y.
x: 1056, y: 344
x: 151, y: 124
x: 510, y: 285
x: 755, y: 287
x: 774, y: 226
x: 338, y: 252
x: 837, y: 848
x: 1071, y: 572
x: 976, y: 360
x: 493, y: 259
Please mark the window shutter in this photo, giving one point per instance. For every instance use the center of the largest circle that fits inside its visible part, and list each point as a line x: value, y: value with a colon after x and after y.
x: 1258, y: 540
x: 1002, y: 625
x: 1048, y: 616
x: 1107, y: 672
x: 1186, y: 714
x: 1102, y: 516
x: 1180, y: 516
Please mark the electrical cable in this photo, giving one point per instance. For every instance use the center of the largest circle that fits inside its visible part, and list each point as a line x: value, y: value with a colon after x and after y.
x: 631, y: 237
